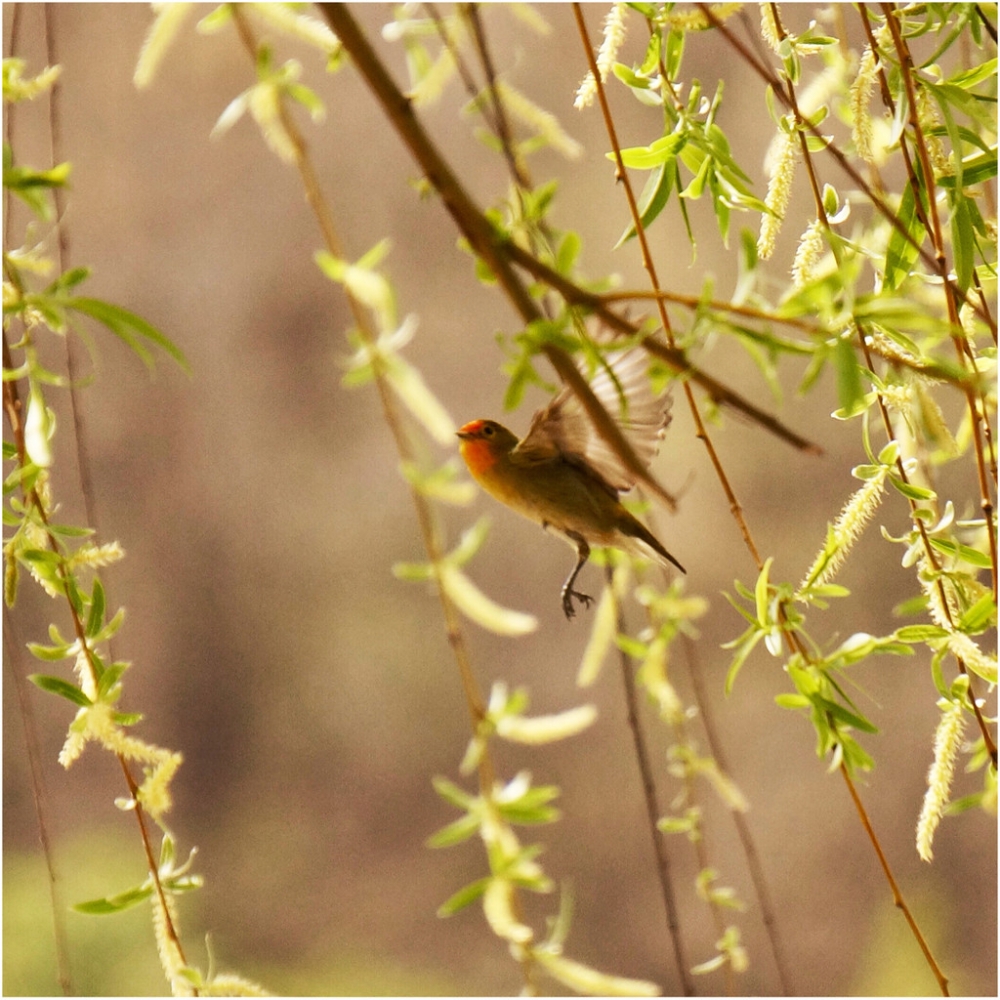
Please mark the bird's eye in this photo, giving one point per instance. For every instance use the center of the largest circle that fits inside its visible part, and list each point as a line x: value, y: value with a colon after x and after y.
x: 488, y: 430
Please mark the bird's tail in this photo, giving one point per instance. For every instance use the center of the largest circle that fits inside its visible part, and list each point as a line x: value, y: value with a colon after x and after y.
x: 648, y: 544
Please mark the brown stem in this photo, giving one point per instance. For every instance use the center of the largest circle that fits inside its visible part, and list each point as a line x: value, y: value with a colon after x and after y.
x: 13, y: 647
x: 425, y: 516
x: 12, y: 408
x: 789, y: 98
x: 754, y: 866
x: 496, y: 250
x: 653, y: 812
x: 897, y: 897
x: 962, y: 347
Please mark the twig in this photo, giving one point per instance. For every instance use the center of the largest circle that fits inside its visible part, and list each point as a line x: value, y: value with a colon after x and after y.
x: 897, y: 897
x: 653, y: 812
x: 754, y: 866
x: 40, y: 797
x: 496, y: 250
x: 12, y: 409
x: 425, y: 517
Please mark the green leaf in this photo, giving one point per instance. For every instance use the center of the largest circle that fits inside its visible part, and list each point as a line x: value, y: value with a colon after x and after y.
x: 70, y: 531
x: 844, y: 715
x: 115, y: 904
x: 475, y: 605
x: 32, y: 186
x: 981, y: 615
x: 963, y: 242
x: 654, y: 197
x: 450, y: 792
x: 901, y: 253
x: 95, y: 618
x: 454, y: 833
x: 129, y: 327
x: 911, y: 490
x: 964, y: 552
x: 762, y: 594
x: 792, y: 701
x: 56, y: 685
x: 920, y: 633
x: 50, y: 654
x: 590, y: 982
x: 748, y: 640
x: 464, y: 896
x: 110, y: 677
x: 546, y: 728
x: 850, y: 391
x: 970, y: 77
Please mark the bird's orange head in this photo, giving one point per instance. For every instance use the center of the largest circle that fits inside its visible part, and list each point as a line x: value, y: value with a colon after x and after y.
x: 484, y: 443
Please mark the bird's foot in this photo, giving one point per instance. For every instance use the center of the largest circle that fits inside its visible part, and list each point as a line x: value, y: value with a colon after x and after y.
x: 567, y: 601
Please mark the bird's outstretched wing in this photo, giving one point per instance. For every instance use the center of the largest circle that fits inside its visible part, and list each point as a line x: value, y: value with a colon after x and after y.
x: 563, y: 428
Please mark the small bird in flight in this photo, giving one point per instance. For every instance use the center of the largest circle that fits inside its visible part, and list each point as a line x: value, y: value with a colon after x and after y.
x: 564, y: 476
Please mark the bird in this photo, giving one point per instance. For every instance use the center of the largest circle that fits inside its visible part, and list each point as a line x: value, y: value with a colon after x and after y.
x: 564, y: 476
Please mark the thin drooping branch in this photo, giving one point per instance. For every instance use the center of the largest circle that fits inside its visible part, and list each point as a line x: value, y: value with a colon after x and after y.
x: 500, y: 253
x: 13, y: 408
x: 425, y: 515
x: 653, y: 811
x: 649, y: 264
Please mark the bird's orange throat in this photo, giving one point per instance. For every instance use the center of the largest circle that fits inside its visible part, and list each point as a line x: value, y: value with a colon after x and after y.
x: 480, y: 456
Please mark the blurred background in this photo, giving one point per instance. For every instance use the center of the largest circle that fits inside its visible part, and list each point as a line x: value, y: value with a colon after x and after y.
x: 312, y: 694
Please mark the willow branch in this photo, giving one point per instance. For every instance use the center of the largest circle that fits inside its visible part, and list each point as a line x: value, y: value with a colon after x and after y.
x: 500, y: 254
x: 883, y: 207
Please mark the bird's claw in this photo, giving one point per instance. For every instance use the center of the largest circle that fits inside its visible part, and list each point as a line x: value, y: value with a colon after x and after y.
x: 567, y: 602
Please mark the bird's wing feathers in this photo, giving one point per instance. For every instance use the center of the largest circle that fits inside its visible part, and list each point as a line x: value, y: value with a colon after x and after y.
x: 563, y: 429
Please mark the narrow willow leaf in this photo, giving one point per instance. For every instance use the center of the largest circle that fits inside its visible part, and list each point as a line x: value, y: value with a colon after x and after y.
x: 420, y: 401
x: 653, y: 199
x: 748, y: 640
x: 110, y: 677
x: 450, y: 792
x: 920, y: 633
x: 115, y: 904
x: 901, y: 253
x: 50, y: 654
x: 911, y: 490
x: 583, y: 979
x: 95, y: 617
x: 441, y: 483
x: 602, y: 635
x: 130, y: 328
x: 762, y: 594
x: 963, y: 241
x: 462, y: 898
x: 454, y: 833
x: 56, y: 685
x: 964, y: 552
x: 473, y: 603
x: 981, y: 615
x: 39, y: 427
x: 546, y: 728
x: 413, y: 572
x: 850, y: 390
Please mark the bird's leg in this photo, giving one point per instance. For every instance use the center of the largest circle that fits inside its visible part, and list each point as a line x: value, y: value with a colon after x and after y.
x: 568, y: 593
